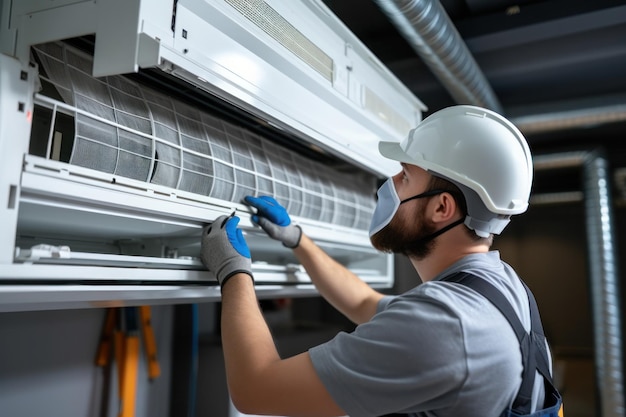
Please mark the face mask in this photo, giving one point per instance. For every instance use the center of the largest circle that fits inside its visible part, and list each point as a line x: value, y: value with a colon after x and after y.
x: 388, y: 204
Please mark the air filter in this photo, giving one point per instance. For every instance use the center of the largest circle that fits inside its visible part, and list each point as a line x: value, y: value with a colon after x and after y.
x: 125, y: 128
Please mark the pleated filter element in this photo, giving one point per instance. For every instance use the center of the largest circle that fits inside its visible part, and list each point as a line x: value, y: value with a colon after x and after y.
x: 125, y: 128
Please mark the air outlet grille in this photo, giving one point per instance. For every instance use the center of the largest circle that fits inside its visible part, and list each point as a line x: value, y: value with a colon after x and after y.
x: 272, y: 23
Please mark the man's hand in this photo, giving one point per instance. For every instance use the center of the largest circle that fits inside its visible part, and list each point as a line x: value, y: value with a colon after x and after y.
x: 274, y: 219
x: 224, y: 249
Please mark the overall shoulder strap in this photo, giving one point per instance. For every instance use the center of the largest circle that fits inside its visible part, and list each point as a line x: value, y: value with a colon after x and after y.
x: 534, y: 352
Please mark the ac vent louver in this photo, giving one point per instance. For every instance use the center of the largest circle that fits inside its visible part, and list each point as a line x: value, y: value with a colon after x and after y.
x: 276, y: 26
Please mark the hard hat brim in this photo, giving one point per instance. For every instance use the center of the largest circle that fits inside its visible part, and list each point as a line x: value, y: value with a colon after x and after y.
x: 393, y: 150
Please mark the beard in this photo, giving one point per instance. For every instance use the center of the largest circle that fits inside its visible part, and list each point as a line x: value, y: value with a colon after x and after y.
x: 406, y: 236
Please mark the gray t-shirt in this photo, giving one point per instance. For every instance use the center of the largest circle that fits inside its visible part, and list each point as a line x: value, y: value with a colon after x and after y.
x: 440, y: 349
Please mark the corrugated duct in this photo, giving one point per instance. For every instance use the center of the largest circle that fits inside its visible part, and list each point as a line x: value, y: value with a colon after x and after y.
x: 428, y: 30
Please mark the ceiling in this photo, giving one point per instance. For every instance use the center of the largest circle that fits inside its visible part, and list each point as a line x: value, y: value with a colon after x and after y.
x: 556, y: 58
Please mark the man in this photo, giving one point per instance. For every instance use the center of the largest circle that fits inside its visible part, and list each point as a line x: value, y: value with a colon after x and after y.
x: 440, y: 349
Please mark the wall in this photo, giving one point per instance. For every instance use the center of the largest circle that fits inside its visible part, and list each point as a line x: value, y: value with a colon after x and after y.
x: 47, y: 366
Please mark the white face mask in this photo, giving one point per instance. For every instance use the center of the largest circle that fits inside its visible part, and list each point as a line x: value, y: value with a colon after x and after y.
x: 388, y: 203
x: 386, y: 207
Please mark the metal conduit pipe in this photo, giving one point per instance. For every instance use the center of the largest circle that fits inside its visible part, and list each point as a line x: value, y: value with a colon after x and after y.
x: 430, y: 32
x: 604, y: 288
x: 603, y: 271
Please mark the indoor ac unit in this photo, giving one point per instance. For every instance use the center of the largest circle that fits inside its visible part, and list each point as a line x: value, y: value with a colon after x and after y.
x: 126, y: 125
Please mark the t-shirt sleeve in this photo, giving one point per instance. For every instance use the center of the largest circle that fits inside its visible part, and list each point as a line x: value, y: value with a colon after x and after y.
x: 409, y: 357
x: 382, y: 304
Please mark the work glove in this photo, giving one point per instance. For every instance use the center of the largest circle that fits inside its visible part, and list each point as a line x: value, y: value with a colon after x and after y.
x: 224, y: 249
x: 273, y: 218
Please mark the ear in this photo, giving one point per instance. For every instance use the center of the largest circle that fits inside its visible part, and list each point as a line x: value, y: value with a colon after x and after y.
x: 444, y: 208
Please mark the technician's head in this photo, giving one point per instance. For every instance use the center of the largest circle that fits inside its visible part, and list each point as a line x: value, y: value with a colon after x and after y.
x: 477, y: 150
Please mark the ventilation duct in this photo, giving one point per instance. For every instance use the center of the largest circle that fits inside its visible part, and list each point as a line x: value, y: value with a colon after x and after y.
x: 430, y: 32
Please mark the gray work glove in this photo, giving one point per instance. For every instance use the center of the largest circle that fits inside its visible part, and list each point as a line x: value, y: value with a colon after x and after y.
x: 224, y: 249
x: 273, y: 218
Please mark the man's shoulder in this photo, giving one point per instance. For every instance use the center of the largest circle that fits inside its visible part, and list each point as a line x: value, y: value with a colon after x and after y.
x: 449, y: 299
x: 440, y: 292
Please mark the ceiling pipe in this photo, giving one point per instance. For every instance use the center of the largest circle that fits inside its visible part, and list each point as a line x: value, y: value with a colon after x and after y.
x: 430, y: 32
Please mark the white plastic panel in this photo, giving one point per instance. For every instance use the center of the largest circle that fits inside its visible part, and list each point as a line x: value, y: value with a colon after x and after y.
x: 17, y: 88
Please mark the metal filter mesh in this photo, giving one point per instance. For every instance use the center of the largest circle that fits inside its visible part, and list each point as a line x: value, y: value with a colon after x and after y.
x: 127, y: 129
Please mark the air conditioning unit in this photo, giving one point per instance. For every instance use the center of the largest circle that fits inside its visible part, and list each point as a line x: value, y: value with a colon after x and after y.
x: 126, y: 125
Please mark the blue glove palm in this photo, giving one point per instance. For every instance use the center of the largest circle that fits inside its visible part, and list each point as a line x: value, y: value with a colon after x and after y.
x: 274, y: 220
x: 224, y: 249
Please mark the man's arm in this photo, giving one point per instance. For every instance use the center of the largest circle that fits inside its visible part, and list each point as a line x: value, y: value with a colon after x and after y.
x: 343, y: 289
x: 337, y: 284
x: 259, y: 381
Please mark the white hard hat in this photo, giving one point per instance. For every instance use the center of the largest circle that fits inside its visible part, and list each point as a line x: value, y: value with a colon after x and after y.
x: 481, y: 152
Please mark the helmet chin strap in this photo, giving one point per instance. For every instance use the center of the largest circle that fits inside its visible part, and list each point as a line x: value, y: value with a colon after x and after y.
x: 441, y: 231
